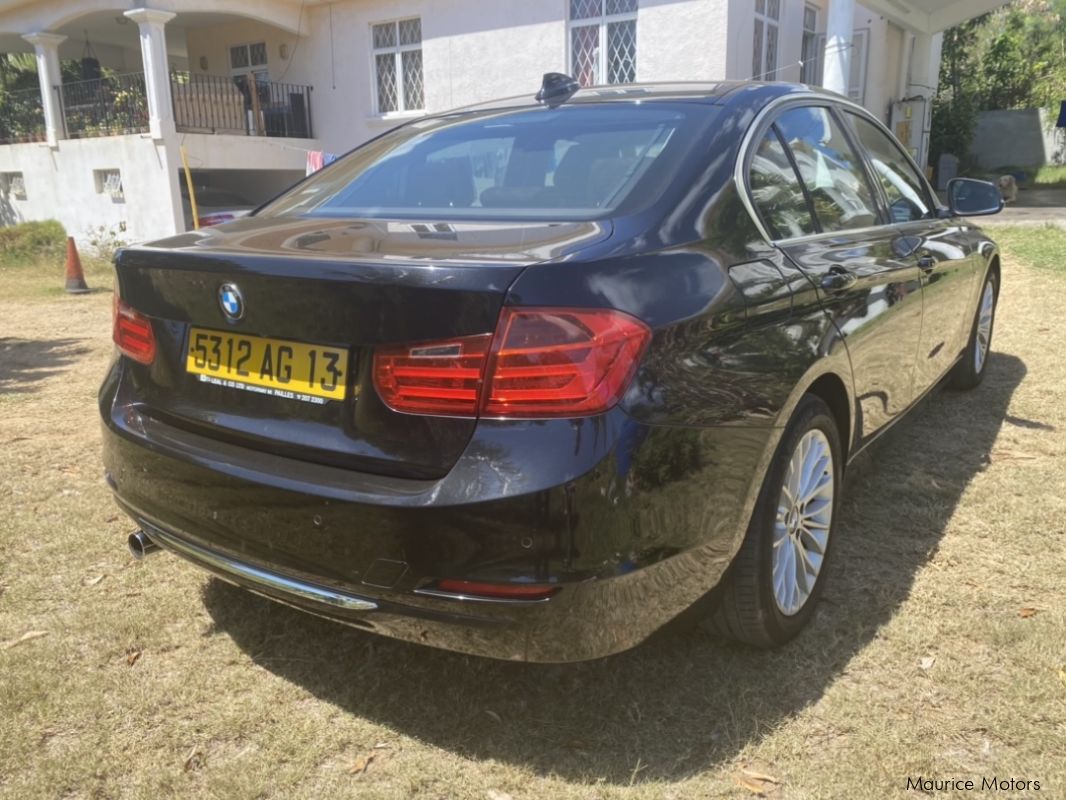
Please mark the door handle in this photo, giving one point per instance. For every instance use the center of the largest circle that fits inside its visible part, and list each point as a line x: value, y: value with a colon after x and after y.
x: 927, y: 263
x: 838, y: 279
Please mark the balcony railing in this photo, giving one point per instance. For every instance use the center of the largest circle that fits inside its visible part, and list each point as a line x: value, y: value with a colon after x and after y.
x: 240, y: 105
x: 108, y: 106
x: 21, y: 117
x: 118, y: 104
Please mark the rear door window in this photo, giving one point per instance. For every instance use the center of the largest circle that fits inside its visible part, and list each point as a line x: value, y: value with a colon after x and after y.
x: 830, y: 169
x: 904, y: 188
x: 776, y: 190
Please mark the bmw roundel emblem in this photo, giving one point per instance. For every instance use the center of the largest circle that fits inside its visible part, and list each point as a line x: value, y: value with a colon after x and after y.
x: 229, y: 298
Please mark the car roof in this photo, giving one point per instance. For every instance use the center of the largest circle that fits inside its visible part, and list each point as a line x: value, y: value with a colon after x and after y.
x: 708, y: 92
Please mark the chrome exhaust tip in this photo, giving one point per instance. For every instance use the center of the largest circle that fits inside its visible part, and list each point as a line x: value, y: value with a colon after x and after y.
x: 141, y: 545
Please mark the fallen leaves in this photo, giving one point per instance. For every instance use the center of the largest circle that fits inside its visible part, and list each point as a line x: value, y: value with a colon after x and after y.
x: 496, y: 794
x: 1028, y: 612
x: 28, y: 636
x: 195, y: 760
x: 94, y: 581
x: 493, y: 716
x: 926, y: 663
x: 361, y: 764
x: 132, y: 656
x: 756, y: 782
x: 1062, y: 676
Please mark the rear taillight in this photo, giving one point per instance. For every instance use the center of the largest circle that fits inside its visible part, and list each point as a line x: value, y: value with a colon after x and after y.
x: 132, y: 332
x: 561, y: 362
x: 432, y: 378
x: 213, y: 219
x: 541, y: 362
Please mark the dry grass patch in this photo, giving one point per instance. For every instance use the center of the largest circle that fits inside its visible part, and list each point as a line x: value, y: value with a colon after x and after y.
x: 940, y: 648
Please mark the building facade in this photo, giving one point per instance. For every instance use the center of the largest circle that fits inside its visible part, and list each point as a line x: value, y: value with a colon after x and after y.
x: 242, y: 95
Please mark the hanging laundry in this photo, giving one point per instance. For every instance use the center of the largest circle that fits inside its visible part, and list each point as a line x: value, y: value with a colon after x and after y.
x: 315, y: 161
x: 329, y: 158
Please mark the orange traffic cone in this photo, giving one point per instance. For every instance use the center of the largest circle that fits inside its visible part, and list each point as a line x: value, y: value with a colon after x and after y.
x: 75, y: 277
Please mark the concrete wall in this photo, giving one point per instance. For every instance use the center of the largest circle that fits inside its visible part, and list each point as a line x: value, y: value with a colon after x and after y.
x: 475, y: 51
x: 225, y: 151
x: 683, y: 40
x: 213, y: 42
x: 471, y: 51
x: 1019, y: 138
x: 60, y: 184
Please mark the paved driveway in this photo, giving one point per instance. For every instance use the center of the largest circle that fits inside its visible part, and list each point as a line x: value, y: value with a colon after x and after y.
x: 1034, y: 206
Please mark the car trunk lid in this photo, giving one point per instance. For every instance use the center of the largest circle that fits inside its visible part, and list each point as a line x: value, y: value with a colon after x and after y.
x: 340, y: 285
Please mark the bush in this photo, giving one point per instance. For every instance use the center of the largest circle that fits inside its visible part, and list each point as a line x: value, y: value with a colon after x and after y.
x: 105, y: 241
x: 954, y: 122
x: 32, y: 241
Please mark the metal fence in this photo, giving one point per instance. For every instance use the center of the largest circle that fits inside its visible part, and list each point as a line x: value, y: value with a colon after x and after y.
x: 108, y: 106
x: 240, y: 105
x: 118, y: 104
x: 21, y: 116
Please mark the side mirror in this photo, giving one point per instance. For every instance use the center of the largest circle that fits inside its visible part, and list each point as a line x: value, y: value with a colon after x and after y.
x: 972, y: 198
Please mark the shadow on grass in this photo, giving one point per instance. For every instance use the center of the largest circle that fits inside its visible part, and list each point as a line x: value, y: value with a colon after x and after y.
x: 682, y: 702
x: 26, y: 362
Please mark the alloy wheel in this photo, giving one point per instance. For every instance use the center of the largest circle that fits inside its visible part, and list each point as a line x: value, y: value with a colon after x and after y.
x: 804, y: 516
x: 984, y: 327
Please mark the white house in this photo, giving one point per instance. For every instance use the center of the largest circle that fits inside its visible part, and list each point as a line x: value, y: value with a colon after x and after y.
x: 244, y: 89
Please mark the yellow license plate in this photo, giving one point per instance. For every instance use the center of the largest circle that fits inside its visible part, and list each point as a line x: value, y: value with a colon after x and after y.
x: 278, y: 367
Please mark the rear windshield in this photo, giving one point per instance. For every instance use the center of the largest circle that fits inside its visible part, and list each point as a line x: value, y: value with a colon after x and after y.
x: 574, y: 162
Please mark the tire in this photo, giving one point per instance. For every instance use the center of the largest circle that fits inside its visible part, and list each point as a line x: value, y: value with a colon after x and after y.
x: 750, y: 609
x: 974, y: 363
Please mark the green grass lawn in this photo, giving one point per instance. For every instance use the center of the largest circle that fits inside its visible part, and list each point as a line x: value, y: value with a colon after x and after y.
x: 33, y: 261
x: 939, y: 649
x: 1049, y: 177
x: 1043, y: 247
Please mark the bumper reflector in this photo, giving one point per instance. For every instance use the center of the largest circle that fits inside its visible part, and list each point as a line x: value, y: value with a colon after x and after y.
x: 497, y: 591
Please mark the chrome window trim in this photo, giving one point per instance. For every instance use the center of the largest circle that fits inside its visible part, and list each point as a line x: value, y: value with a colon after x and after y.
x: 740, y: 177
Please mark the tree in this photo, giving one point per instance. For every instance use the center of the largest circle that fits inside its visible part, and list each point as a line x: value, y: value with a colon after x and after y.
x: 1014, y: 57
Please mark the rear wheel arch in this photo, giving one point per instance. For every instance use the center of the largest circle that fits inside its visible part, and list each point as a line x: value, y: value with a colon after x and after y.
x: 830, y: 381
x: 831, y: 388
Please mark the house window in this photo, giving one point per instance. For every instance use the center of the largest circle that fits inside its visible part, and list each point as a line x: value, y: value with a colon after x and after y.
x: 603, y: 41
x: 764, y: 56
x: 249, y: 58
x: 109, y: 182
x: 809, y: 50
x: 398, y: 65
x: 13, y: 185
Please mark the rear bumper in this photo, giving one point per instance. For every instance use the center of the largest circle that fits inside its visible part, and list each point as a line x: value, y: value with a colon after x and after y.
x: 632, y: 523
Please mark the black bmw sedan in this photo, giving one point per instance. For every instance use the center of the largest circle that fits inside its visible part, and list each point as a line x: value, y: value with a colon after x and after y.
x: 531, y: 379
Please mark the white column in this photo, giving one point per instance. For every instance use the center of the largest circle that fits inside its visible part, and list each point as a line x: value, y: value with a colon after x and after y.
x: 923, y: 80
x: 46, y: 46
x: 903, y: 83
x: 838, y: 35
x: 156, y: 70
